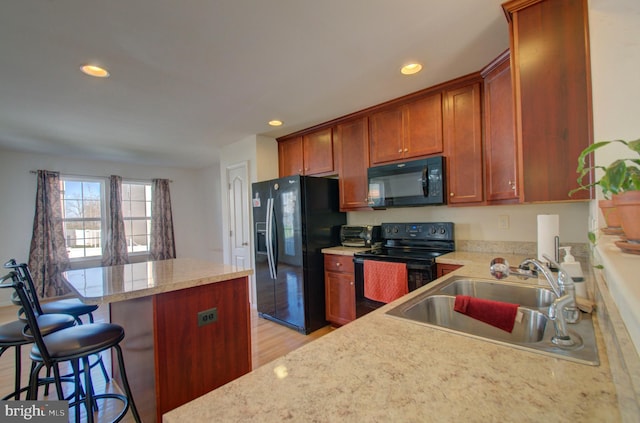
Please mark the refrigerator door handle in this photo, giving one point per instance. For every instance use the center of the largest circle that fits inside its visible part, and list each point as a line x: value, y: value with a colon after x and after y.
x: 269, y: 240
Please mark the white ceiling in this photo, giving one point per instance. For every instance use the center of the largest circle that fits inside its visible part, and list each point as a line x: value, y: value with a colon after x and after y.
x: 190, y: 76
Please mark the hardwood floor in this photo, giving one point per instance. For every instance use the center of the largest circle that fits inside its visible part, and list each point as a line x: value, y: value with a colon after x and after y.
x: 268, y: 342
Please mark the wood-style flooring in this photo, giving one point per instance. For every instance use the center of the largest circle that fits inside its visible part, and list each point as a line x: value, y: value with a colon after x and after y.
x: 268, y: 342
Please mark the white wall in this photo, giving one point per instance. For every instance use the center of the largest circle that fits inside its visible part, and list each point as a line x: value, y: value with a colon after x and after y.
x: 481, y: 223
x: 18, y: 188
x: 615, y: 70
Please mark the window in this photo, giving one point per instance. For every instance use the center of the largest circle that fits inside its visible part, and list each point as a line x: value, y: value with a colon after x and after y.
x: 136, y: 211
x: 84, y: 216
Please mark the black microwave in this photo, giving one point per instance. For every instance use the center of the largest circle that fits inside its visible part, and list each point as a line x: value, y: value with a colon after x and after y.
x: 414, y: 183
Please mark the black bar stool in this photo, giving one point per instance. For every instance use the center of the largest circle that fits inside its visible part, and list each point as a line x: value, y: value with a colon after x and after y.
x: 75, y: 345
x: 70, y: 306
x: 11, y: 336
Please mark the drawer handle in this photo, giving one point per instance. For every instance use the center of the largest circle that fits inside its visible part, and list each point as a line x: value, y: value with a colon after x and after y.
x: 338, y: 264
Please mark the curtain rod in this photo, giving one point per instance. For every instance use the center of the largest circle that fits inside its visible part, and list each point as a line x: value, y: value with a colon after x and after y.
x: 35, y: 172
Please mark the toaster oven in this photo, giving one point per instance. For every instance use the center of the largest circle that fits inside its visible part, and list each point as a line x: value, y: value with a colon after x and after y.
x: 359, y: 235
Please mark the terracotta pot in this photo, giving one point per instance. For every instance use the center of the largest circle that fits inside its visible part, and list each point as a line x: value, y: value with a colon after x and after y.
x: 628, y: 206
x: 610, y: 213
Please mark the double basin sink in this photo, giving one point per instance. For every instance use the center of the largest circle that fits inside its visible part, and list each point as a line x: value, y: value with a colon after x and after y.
x: 532, y: 331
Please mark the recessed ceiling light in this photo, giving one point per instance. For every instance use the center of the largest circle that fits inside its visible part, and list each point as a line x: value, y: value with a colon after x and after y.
x: 93, y: 70
x: 411, y: 68
x: 275, y: 122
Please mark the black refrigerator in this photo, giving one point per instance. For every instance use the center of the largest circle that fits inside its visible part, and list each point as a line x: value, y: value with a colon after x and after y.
x: 294, y: 219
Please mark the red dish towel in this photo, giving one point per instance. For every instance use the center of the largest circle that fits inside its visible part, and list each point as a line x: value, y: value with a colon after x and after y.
x: 496, y: 313
x: 385, y: 281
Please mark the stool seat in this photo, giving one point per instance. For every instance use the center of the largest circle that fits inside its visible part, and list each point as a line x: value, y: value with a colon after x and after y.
x: 72, y: 306
x: 79, y: 341
x: 12, y: 334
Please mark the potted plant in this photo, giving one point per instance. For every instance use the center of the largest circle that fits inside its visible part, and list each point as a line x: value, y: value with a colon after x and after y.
x: 620, y: 182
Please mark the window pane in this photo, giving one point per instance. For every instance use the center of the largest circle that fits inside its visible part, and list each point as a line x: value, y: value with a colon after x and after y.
x: 72, y: 209
x: 91, y: 209
x: 72, y: 189
x: 137, y: 192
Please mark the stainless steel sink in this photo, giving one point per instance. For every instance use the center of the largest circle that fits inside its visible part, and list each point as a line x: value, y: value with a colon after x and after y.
x: 532, y: 331
x: 438, y: 310
x: 526, y: 296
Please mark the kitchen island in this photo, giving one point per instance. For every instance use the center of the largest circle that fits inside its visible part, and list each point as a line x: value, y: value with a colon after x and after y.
x: 187, y: 326
x: 380, y: 368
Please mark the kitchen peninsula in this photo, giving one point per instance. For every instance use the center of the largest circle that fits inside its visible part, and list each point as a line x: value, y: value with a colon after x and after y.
x: 379, y: 368
x: 187, y: 325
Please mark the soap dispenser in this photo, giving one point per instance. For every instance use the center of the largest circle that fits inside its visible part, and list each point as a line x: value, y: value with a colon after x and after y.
x: 572, y: 267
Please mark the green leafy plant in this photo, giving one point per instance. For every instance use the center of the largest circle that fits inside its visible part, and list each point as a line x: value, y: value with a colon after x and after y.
x: 619, y: 176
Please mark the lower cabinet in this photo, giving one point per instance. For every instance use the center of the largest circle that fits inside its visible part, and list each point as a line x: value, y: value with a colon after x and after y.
x: 340, y: 289
x: 442, y: 268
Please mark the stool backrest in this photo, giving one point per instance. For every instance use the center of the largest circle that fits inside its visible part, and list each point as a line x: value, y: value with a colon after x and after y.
x: 31, y: 330
x: 23, y: 273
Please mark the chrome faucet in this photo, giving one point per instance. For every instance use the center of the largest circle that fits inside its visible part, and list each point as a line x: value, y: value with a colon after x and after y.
x: 564, y: 309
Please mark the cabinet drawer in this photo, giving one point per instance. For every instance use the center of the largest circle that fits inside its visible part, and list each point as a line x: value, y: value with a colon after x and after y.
x: 338, y: 263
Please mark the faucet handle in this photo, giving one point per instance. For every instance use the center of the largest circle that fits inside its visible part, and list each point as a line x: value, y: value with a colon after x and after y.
x: 499, y: 268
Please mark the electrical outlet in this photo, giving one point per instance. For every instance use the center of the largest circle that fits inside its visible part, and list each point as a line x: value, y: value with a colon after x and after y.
x: 207, y: 317
x: 503, y: 222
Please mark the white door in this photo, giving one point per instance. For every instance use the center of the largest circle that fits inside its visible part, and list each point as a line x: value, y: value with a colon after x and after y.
x: 239, y: 217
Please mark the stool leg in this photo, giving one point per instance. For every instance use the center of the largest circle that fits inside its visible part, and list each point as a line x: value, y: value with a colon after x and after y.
x: 88, y: 400
x: 131, y: 403
x: 18, y: 371
x: 32, y: 394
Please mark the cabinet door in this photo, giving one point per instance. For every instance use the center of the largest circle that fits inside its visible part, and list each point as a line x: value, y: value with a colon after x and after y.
x: 500, y: 153
x: 353, y: 150
x: 340, y: 294
x: 423, y: 126
x: 386, y: 136
x: 443, y: 269
x: 552, y: 82
x: 317, y: 149
x: 290, y: 159
x: 463, y: 143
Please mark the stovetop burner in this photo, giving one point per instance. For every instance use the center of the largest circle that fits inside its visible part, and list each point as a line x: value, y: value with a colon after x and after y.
x: 413, y: 242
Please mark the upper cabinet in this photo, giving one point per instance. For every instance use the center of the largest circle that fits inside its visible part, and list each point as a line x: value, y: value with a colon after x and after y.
x: 308, y: 154
x: 463, y: 144
x: 552, y: 91
x: 406, y: 131
x: 500, y: 150
x: 352, y: 146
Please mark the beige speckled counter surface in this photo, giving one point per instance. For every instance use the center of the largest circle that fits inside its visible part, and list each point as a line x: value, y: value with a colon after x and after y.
x: 382, y: 369
x: 344, y: 251
x: 124, y: 282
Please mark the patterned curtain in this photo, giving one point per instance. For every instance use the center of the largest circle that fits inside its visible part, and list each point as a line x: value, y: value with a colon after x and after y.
x: 162, y: 241
x: 114, y: 250
x: 48, y: 252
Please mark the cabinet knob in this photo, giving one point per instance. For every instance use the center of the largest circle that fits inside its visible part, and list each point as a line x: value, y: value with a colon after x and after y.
x: 351, y: 283
x: 451, y: 194
x: 338, y: 264
x: 406, y: 150
x: 400, y: 150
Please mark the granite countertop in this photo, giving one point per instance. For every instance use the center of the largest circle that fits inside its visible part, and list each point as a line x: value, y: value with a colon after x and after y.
x: 344, y: 251
x: 379, y: 368
x: 124, y: 282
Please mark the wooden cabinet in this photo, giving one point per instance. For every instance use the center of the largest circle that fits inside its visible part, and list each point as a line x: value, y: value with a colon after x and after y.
x: 308, y: 154
x: 500, y: 152
x: 443, y: 268
x: 463, y: 144
x: 552, y: 91
x: 340, y: 289
x: 352, y: 146
x: 406, y: 131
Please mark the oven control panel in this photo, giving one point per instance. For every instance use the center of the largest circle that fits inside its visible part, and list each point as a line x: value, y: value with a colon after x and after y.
x: 423, y: 231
